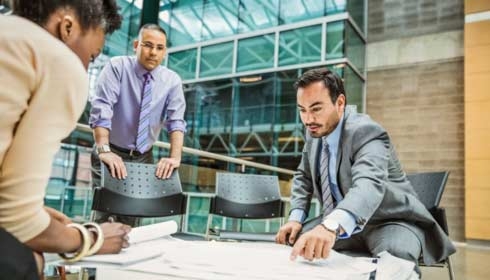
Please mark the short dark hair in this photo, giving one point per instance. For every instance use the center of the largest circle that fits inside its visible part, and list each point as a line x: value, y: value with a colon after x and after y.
x: 332, y: 82
x: 152, y: 26
x: 90, y: 13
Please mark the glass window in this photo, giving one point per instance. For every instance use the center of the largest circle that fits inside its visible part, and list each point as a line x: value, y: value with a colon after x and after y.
x: 184, y: 63
x: 299, y: 10
x: 353, y: 86
x: 355, y: 48
x: 335, y: 40
x: 121, y: 41
x: 336, y: 6
x: 220, y: 18
x: 256, y: 15
x: 356, y: 11
x: 212, y: 106
x: 255, y: 53
x: 216, y: 60
x: 300, y: 45
x: 185, y: 22
x: 255, y: 104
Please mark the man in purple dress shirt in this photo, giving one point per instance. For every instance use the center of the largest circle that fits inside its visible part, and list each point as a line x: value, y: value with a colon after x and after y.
x: 134, y: 99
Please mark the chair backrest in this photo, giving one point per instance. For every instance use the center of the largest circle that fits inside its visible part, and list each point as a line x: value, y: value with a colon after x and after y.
x: 429, y: 186
x: 247, y: 196
x: 141, y: 194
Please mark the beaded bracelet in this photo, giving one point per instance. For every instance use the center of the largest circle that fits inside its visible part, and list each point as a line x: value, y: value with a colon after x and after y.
x: 95, y: 228
x: 84, y: 248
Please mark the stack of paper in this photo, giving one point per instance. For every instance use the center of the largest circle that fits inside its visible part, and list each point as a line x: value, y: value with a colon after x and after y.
x: 140, y: 248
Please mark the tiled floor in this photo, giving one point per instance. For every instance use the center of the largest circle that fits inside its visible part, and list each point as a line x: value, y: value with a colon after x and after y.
x: 470, y: 262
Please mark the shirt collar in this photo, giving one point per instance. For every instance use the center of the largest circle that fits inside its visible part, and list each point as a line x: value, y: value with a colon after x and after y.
x: 140, y: 70
x: 333, y: 138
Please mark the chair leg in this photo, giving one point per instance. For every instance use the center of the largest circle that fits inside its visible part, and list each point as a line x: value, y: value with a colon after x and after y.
x: 182, y: 223
x: 450, y: 268
x: 208, y: 226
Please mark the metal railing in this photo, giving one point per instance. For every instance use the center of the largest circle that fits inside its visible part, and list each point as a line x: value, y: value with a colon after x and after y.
x: 242, y: 162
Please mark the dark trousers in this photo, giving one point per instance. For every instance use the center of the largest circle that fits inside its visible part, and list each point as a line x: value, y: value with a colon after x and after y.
x: 99, y: 216
x: 16, y: 259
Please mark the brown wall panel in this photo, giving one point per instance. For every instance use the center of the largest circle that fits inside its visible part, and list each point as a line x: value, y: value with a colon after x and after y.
x: 477, y: 59
x: 476, y: 33
x: 475, y: 6
x: 477, y: 228
x: 479, y: 199
x: 477, y: 86
x: 477, y: 145
x: 421, y: 107
x: 478, y: 116
x: 477, y: 173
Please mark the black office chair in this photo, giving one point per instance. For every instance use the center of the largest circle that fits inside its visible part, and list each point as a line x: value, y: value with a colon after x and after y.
x: 246, y: 196
x: 429, y: 186
x: 141, y: 194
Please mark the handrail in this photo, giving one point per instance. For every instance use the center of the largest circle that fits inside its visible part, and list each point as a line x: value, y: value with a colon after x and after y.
x: 86, y: 128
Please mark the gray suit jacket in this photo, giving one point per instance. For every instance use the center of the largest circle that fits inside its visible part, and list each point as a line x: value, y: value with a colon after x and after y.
x: 375, y: 188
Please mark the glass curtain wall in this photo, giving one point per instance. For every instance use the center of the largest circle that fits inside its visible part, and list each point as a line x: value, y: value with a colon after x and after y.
x: 239, y: 60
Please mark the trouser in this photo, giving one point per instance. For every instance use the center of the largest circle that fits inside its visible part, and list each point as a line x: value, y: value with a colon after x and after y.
x: 396, y: 239
x: 16, y: 260
x: 99, y: 216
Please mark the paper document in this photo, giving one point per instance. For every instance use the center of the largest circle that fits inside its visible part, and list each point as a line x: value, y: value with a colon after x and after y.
x: 230, y: 260
x: 151, y: 232
x: 390, y: 267
x: 140, y: 247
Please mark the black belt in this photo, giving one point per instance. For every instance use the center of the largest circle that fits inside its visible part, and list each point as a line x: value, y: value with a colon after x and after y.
x: 132, y: 153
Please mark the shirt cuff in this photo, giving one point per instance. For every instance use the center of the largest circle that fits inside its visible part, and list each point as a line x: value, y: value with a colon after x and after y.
x: 297, y: 215
x: 101, y: 123
x: 346, y: 220
x: 176, y: 125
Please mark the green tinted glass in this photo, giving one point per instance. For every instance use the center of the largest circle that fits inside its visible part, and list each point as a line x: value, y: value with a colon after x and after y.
x: 300, y: 45
x: 216, y: 59
x: 355, y: 48
x: 353, y: 86
x: 184, y: 63
x: 335, y: 40
x: 255, y: 53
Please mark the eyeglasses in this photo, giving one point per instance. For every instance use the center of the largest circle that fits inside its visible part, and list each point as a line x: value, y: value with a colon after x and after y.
x: 150, y: 46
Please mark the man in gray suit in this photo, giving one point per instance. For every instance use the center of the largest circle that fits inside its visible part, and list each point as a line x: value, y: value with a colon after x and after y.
x: 350, y: 164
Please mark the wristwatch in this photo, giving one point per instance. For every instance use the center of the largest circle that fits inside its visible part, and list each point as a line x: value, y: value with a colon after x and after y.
x: 332, y: 226
x: 103, y: 149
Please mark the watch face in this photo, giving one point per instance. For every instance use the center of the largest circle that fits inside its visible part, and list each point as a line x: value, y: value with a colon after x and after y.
x: 103, y: 149
x: 331, y: 224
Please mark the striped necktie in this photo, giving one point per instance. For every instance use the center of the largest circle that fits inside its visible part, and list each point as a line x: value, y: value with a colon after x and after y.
x: 142, y: 139
x: 327, y: 198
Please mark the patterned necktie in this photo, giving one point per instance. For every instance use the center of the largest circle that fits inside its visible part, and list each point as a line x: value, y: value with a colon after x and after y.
x: 328, y: 205
x: 142, y: 138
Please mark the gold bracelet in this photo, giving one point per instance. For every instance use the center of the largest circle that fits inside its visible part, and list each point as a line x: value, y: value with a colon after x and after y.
x: 82, y: 252
x: 93, y: 227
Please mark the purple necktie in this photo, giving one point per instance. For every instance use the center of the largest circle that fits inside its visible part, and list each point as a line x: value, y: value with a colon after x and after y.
x: 328, y: 205
x: 142, y: 143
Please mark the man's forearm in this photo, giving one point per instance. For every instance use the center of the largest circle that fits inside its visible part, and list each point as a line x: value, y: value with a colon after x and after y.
x: 176, y: 144
x: 101, y: 135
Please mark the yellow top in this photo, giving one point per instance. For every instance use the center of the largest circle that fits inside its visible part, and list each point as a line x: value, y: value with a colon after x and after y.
x: 43, y: 91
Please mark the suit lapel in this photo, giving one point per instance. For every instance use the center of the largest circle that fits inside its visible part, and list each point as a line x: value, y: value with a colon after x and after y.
x: 341, y: 186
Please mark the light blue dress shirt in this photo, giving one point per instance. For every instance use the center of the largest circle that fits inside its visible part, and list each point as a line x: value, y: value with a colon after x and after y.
x: 346, y: 220
x: 116, y: 104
